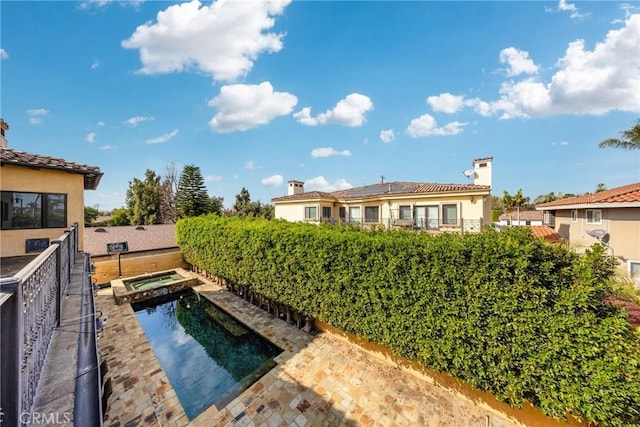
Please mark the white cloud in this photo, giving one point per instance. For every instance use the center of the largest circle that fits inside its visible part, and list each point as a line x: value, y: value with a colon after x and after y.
x: 134, y: 121
x: 212, y: 178
x: 328, y: 151
x: 387, y: 136
x: 105, y: 147
x: 426, y: 125
x: 560, y: 143
x: 446, y: 103
x: 586, y: 81
x: 518, y: 62
x: 319, y: 183
x: 91, y: 137
x: 565, y: 6
x: 347, y: 112
x: 100, y: 123
x: 95, y: 64
x: 162, y: 139
x: 241, y: 107
x: 3, y: 54
x: 222, y: 39
x: 36, y: 114
x: 251, y: 165
x: 272, y: 181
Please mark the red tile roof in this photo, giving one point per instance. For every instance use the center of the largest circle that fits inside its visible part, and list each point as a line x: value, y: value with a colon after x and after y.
x: 546, y: 233
x: 625, y: 194
x: 386, y: 189
x: 524, y: 215
x: 160, y: 236
x: 91, y: 174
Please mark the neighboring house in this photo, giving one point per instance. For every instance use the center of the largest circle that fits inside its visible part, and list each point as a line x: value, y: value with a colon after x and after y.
x: 415, y: 205
x: 611, y: 216
x: 521, y: 218
x: 41, y: 197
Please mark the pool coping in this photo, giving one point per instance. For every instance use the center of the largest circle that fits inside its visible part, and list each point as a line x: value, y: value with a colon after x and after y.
x: 122, y: 294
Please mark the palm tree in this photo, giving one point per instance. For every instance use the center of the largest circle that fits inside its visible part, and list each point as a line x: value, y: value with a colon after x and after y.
x: 630, y: 139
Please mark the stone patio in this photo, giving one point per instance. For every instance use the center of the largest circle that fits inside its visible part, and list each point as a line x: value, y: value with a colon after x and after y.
x: 320, y: 380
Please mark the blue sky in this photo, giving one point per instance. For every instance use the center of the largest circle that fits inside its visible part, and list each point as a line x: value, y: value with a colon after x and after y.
x: 334, y: 94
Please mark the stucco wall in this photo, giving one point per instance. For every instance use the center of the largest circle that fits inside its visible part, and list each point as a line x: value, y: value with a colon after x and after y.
x: 24, y: 179
x: 479, y: 208
x: 622, y: 224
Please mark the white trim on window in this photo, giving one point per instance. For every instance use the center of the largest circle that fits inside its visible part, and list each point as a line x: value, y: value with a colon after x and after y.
x: 574, y: 215
x: 310, y: 212
x: 593, y: 216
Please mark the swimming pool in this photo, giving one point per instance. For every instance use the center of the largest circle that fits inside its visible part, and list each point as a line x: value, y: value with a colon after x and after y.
x: 209, y: 357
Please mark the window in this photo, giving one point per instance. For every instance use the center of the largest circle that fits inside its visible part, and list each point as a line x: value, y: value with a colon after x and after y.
x: 450, y: 214
x: 342, y: 213
x: 33, y: 210
x: 326, y: 212
x: 371, y: 214
x: 574, y: 215
x: 594, y: 216
x: 404, y: 212
x: 354, y: 214
x: 310, y: 212
x: 546, y: 217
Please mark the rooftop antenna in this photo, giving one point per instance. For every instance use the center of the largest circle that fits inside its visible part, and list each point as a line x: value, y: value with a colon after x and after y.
x: 468, y: 173
x: 382, y: 179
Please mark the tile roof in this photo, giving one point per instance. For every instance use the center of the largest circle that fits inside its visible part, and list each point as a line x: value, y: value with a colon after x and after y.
x: 159, y: 236
x: 625, y: 194
x: 91, y: 174
x: 386, y: 189
x: 546, y: 233
x: 524, y: 215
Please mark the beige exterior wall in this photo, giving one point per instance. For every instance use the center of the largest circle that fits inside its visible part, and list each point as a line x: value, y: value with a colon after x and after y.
x: 622, y: 224
x: 135, y: 264
x: 469, y: 207
x: 25, y: 179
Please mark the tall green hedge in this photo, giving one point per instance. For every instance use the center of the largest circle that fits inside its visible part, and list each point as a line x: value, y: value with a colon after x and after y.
x: 506, y: 312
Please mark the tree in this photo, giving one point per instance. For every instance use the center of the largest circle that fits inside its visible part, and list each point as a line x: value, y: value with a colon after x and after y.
x: 143, y: 200
x: 168, y: 192
x: 90, y: 215
x: 630, y: 139
x: 191, y: 198
x: 517, y: 201
x: 600, y: 187
x: 244, y: 207
x: 119, y: 217
x: 215, y: 205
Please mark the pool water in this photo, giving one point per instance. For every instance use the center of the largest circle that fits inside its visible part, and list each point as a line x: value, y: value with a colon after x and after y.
x: 209, y: 357
x: 152, y: 282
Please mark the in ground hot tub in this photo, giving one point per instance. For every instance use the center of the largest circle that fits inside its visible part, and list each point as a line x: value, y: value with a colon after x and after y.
x: 151, y: 285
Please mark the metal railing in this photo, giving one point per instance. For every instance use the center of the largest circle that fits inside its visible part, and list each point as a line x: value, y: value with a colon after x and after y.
x: 30, y: 309
x: 419, y: 224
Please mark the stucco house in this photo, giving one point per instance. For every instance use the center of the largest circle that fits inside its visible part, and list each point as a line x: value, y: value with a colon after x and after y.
x: 41, y: 197
x: 611, y: 216
x: 415, y: 205
x: 521, y: 218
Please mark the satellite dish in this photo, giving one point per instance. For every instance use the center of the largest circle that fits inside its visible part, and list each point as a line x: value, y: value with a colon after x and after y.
x: 597, y: 233
x: 468, y: 173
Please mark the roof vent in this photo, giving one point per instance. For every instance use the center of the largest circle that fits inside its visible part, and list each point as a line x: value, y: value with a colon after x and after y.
x: 100, y: 230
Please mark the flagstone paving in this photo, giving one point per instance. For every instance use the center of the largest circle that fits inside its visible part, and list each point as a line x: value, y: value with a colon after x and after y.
x: 320, y: 380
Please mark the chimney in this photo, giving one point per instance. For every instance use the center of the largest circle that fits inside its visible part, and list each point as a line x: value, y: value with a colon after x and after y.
x: 482, y: 171
x: 295, y: 187
x: 3, y: 128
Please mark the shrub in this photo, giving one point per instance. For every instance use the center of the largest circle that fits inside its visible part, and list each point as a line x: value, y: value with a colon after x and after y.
x: 504, y: 311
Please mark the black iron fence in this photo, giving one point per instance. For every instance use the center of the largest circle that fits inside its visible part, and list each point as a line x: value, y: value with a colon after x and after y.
x: 459, y: 225
x: 30, y: 310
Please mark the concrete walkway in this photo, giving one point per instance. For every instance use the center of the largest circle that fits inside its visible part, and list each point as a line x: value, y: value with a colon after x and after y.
x: 320, y: 380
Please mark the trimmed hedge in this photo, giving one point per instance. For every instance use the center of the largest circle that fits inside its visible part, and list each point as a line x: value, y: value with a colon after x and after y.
x: 506, y: 312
